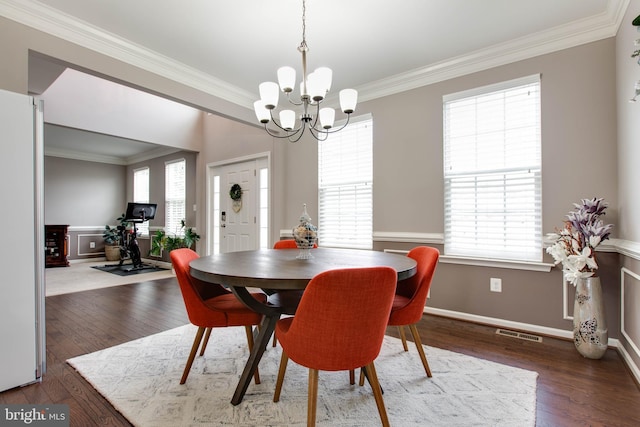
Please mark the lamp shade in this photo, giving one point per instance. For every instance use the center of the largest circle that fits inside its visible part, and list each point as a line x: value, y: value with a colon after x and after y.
x: 286, y: 78
x: 314, y: 89
x: 287, y: 119
x: 348, y: 100
x: 269, y: 93
x: 324, y: 76
x: 327, y: 117
x: 261, y: 112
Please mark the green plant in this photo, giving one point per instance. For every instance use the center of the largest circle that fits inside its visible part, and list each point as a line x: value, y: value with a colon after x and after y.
x: 112, y: 235
x: 161, y: 241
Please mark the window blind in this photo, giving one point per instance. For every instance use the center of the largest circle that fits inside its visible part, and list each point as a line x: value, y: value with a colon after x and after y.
x: 492, y: 172
x: 175, y: 193
x: 141, y: 195
x: 345, y: 180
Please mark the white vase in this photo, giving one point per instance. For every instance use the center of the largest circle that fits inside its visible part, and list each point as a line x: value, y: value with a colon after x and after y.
x: 590, y: 333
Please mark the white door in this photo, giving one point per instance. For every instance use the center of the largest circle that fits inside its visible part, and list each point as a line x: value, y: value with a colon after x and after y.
x: 238, y: 219
x: 237, y: 225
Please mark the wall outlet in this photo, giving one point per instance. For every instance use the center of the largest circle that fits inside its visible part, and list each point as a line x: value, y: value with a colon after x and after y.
x: 495, y: 285
x: 92, y: 245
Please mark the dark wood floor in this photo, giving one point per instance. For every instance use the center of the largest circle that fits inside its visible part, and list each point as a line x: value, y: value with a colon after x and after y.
x: 572, y: 391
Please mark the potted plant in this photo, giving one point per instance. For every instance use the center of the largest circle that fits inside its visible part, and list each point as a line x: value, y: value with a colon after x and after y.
x: 161, y: 241
x: 113, y: 239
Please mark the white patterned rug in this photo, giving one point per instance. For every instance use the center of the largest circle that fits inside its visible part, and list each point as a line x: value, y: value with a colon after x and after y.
x: 141, y: 380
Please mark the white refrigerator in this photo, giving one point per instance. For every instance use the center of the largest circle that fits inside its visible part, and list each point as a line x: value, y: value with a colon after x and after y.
x: 22, y: 337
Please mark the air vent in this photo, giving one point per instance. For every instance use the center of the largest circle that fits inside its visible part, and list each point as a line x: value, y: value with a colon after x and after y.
x: 521, y: 335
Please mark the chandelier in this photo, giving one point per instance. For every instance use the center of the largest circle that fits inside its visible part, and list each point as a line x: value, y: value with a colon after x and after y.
x: 313, y: 90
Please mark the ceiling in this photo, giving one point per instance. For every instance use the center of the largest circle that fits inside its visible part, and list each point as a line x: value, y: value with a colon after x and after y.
x: 378, y: 47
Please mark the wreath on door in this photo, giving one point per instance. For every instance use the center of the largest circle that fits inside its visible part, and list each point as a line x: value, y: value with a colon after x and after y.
x: 236, y: 195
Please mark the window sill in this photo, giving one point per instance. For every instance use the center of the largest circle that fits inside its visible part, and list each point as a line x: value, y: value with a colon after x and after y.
x: 485, y: 262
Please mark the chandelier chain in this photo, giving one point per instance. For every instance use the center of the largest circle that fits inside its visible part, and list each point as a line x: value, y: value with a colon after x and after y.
x: 303, y: 45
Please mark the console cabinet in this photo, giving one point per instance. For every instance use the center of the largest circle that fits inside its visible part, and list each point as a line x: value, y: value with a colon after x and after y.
x: 55, y: 251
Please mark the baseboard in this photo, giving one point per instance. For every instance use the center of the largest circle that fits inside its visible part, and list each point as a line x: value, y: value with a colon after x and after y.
x: 527, y: 327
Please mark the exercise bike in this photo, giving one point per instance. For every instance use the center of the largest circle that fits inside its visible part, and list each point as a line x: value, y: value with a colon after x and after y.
x: 137, y: 213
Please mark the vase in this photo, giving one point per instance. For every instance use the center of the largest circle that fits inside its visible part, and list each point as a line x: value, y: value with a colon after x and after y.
x: 590, y: 334
x: 305, y: 234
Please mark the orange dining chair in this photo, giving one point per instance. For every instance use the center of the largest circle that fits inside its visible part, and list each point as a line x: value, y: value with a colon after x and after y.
x: 411, y: 297
x: 287, y: 244
x: 210, y: 306
x: 339, y: 325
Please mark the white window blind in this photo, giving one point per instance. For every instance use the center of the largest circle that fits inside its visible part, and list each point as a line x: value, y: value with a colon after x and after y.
x: 345, y: 180
x: 175, y: 193
x: 141, y: 195
x: 492, y: 172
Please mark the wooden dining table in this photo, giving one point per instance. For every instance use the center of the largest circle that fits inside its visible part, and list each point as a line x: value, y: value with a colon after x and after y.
x: 283, y: 277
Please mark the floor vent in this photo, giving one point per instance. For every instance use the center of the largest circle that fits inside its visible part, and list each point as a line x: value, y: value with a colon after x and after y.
x: 521, y: 335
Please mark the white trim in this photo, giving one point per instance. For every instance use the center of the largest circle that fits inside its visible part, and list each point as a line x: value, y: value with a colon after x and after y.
x: 633, y: 345
x: 500, y: 86
x: 512, y: 265
x: 408, y: 237
x: 635, y: 370
x: 49, y: 20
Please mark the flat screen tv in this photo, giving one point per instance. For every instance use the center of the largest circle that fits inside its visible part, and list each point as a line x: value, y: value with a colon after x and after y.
x: 140, y: 212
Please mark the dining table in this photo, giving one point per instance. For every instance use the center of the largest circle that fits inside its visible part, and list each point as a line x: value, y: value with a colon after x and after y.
x: 283, y: 277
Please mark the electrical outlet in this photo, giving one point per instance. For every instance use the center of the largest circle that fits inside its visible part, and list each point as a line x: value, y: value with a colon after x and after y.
x: 92, y: 245
x: 495, y: 285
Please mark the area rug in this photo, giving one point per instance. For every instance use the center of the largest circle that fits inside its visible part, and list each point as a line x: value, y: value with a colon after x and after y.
x: 141, y: 380
x: 127, y: 269
x: 81, y: 276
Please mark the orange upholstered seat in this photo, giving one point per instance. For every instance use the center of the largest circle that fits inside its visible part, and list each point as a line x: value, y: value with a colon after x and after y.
x: 210, y: 306
x: 411, y: 297
x: 339, y: 325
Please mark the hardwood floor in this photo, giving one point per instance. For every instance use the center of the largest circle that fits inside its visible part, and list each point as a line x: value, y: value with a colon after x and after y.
x: 572, y: 391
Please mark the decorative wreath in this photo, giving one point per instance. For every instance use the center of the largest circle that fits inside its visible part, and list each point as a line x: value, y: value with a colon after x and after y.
x: 236, y: 192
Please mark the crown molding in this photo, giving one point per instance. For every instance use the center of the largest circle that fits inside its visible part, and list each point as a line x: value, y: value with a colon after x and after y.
x: 113, y: 160
x: 49, y: 20
x: 579, y: 32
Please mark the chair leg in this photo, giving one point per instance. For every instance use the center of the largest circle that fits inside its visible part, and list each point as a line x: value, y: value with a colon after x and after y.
x: 352, y: 376
x: 249, y: 331
x: 275, y: 340
x: 192, y: 355
x: 313, y: 397
x: 423, y: 357
x: 281, y: 371
x: 361, y: 380
x: 403, y: 337
x: 206, y: 341
x: 377, y: 393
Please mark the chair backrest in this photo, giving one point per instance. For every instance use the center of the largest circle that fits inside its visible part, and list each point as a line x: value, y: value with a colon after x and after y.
x: 288, y: 244
x: 342, y: 318
x: 416, y: 288
x: 195, y: 291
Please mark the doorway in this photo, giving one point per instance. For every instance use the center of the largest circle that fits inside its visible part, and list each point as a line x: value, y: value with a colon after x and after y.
x: 244, y: 223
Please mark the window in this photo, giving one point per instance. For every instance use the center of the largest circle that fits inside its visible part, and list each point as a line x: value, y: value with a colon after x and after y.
x: 345, y: 180
x: 141, y: 195
x: 492, y: 171
x: 174, y: 195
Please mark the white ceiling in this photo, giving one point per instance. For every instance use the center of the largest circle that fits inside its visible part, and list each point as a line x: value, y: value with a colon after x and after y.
x: 376, y: 46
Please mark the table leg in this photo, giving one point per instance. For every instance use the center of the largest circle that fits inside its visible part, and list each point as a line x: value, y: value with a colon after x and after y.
x: 266, y: 330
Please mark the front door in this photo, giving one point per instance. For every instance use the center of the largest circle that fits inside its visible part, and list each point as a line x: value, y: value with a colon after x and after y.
x: 235, y: 224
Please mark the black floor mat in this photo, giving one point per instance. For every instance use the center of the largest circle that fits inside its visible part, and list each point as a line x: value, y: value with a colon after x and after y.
x: 127, y: 269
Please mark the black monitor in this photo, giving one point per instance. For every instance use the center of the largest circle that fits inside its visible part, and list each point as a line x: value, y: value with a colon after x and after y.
x: 140, y: 212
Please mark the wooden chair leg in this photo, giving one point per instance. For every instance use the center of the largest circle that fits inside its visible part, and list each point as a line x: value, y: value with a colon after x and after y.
x: 423, y: 357
x: 249, y: 331
x: 281, y: 371
x: 313, y: 397
x: 192, y: 355
x: 361, y: 380
x: 206, y: 341
x: 403, y: 337
x: 275, y: 340
x: 377, y: 393
x: 352, y: 376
